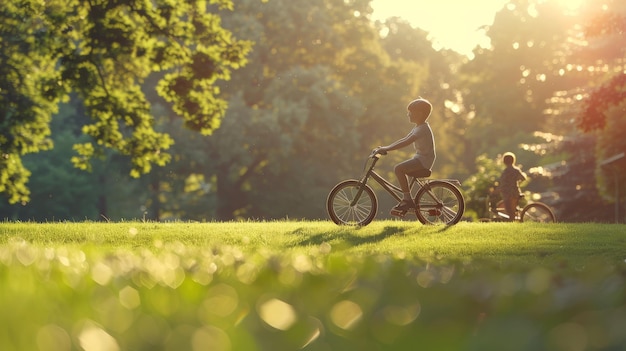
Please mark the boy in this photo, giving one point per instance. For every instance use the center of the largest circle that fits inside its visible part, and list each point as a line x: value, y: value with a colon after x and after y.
x: 423, y: 141
x: 509, y: 184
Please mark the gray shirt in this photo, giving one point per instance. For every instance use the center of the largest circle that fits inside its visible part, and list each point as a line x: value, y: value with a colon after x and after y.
x: 424, y: 144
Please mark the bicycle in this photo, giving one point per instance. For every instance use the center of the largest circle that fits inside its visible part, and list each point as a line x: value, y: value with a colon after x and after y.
x: 531, y: 212
x: 353, y: 202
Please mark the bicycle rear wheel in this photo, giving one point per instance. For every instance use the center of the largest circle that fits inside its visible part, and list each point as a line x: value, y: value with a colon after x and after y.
x: 537, y: 212
x: 340, y: 208
x: 439, y: 202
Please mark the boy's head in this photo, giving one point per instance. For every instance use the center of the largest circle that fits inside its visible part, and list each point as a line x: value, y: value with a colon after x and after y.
x: 508, y: 158
x: 419, y: 110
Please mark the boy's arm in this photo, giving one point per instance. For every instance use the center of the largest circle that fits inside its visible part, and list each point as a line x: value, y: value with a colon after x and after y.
x: 522, y: 175
x: 398, y: 144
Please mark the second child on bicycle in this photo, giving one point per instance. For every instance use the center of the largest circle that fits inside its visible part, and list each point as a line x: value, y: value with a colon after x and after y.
x: 418, y: 112
x: 509, y: 184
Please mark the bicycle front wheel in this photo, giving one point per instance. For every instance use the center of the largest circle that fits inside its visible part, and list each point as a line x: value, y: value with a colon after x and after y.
x: 439, y: 202
x: 342, y: 207
x: 537, y: 212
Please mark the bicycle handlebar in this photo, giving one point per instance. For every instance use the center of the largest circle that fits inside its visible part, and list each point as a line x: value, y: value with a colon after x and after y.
x: 377, y: 151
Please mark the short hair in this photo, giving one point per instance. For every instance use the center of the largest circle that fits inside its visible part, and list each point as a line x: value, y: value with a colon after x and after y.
x: 420, y: 105
x: 508, y: 158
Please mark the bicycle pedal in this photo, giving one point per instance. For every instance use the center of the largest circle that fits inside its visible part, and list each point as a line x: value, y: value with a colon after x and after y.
x: 397, y: 213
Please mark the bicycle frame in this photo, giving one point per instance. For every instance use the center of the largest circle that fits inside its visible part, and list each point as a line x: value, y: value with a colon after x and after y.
x: 505, y: 216
x: 436, y: 201
x: 393, y: 189
x: 498, y: 214
x: 390, y: 188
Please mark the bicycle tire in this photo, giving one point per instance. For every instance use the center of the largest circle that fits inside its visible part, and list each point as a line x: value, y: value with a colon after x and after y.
x: 340, y: 198
x: 447, y: 206
x: 537, y: 212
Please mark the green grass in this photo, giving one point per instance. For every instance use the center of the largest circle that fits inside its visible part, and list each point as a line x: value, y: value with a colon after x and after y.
x: 292, y: 285
x: 506, y: 243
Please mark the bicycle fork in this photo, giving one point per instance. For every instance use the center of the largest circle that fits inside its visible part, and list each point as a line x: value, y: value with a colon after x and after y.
x: 363, y: 184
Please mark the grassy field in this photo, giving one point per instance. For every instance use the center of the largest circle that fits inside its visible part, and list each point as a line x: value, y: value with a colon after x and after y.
x: 293, y: 285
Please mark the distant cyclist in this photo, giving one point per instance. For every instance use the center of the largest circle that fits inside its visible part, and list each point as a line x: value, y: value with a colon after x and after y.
x: 509, y: 184
x: 423, y: 141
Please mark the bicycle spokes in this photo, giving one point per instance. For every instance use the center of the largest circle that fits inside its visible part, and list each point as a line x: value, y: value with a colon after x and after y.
x: 439, y: 202
x: 348, y: 205
x: 345, y: 208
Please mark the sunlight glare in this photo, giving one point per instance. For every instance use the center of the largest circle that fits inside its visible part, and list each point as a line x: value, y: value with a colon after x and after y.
x: 453, y: 24
x: 569, y: 5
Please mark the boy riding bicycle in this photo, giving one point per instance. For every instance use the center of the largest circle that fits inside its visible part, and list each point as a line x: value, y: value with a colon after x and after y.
x: 421, y: 136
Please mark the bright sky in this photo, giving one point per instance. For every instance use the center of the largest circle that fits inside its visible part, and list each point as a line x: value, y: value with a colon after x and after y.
x: 453, y: 24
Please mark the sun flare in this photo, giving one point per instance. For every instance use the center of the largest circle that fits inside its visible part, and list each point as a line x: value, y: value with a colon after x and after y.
x: 570, y: 5
x: 453, y: 24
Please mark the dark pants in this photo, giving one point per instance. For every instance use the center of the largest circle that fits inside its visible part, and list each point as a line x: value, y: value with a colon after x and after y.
x: 404, y: 168
x: 510, y: 204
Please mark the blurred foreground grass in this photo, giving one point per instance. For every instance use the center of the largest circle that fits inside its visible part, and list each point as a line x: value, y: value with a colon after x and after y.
x: 312, y: 286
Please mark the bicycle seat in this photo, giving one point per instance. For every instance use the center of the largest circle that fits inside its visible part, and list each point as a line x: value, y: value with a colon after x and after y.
x: 422, y: 173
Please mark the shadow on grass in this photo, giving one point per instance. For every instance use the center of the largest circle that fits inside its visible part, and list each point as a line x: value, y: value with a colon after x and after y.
x: 345, y: 236
x: 444, y: 228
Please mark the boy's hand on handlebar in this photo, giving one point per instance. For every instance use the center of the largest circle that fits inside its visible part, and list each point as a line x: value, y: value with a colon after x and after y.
x: 380, y: 150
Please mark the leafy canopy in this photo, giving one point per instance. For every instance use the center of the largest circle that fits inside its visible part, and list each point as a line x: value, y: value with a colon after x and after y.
x: 102, y: 51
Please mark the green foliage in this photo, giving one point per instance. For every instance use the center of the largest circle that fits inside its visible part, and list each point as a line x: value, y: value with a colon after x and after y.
x: 103, y: 51
x: 307, y: 125
x: 59, y: 191
x: 480, y: 185
x: 575, y: 183
x: 293, y: 125
x: 13, y: 179
x: 602, y: 112
x: 547, y: 80
x: 27, y: 97
x: 528, y: 41
x: 256, y: 286
x: 310, y: 87
x: 603, y: 30
x: 611, y: 143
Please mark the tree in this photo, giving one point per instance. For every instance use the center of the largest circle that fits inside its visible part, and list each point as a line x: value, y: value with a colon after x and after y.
x: 103, y: 50
x: 286, y: 155
x: 575, y: 182
x: 602, y: 111
x: 509, y: 85
x: 58, y: 189
x: 295, y: 111
x: 593, y: 100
